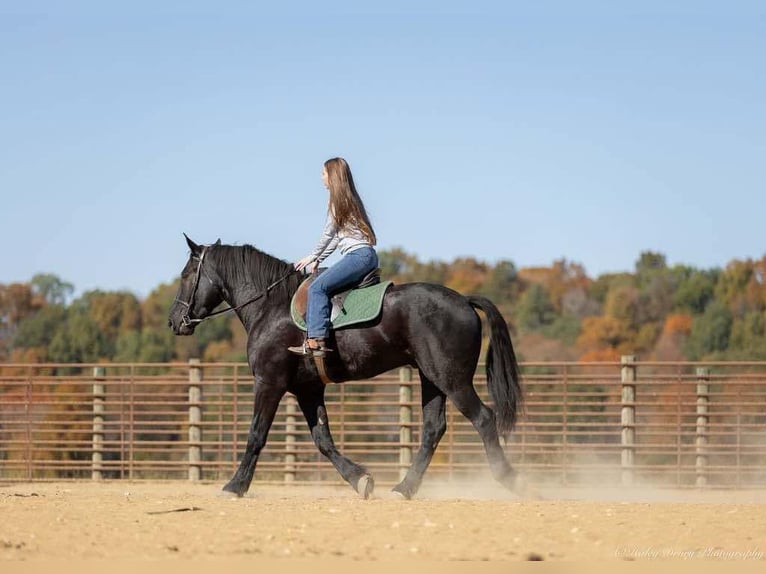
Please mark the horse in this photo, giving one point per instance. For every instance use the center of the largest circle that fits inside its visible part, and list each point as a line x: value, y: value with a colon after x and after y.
x: 427, y: 326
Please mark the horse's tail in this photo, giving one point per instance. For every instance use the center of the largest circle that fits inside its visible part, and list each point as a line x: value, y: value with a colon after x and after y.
x: 503, y: 377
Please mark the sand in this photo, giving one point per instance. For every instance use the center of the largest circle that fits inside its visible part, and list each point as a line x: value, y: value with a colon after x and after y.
x: 122, y: 520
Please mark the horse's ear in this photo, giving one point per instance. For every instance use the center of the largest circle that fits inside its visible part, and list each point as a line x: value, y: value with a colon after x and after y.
x: 195, y: 249
x: 218, y: 242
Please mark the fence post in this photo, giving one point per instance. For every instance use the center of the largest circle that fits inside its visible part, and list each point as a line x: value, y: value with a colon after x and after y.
x: 701, y: 440
x: 628, y: 416
x: 195, y: 419
x: 405, y: 420
x: 292, y: 408
x: 99, y: 394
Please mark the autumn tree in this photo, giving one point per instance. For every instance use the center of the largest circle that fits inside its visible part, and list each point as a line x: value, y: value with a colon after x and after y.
x: 603, y: 336
x: 669, y: 313
x: 18, y: 301
x: 114, y: 312
x: 671, y: 342
x: 466, y: 275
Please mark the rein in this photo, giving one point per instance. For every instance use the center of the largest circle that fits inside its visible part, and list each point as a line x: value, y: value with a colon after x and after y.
x: 188, y: 321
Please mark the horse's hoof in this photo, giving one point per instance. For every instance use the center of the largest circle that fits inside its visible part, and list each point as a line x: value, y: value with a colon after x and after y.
x: 402, y: 492
x: 525, y: 490
x: 232, y: 490
x: 365, y: 486
x: 228, y: 494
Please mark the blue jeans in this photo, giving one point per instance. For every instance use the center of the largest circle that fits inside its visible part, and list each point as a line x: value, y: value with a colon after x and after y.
x: 346, y: 273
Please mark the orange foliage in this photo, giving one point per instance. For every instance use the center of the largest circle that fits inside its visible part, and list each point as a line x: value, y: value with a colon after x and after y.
x: 558, y: 279
x: 600, y: 355
x: 216, y: 351
x: 31, y: 355
x: 677, y: 323
x: 535, y: 274
x: 536, y: 347
x: 601, y: 332
x: 466, y: 275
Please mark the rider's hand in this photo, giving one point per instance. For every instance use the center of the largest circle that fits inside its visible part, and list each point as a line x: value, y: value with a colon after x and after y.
x: 308, y: 262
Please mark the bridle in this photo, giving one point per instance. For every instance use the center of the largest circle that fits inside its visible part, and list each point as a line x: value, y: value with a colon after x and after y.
x: 187, y: 321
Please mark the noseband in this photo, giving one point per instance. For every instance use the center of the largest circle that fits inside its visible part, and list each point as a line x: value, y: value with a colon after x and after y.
x: 187, y: 321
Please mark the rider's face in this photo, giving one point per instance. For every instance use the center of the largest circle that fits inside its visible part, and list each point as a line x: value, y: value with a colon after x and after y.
x: 325, y: 178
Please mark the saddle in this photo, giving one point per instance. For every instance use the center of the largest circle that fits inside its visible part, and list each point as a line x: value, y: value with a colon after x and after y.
x: 359, y: 304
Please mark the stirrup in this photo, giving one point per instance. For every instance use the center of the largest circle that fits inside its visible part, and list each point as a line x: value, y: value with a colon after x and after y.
x: 307, y: 351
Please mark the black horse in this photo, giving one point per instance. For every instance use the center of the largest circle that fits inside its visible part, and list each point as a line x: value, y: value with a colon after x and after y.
x: 427, y: 326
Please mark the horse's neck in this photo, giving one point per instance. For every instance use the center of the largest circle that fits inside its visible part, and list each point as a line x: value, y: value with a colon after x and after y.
x: 242, y: 292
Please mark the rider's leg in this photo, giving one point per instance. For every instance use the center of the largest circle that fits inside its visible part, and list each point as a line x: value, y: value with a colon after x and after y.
x: 348, y: 271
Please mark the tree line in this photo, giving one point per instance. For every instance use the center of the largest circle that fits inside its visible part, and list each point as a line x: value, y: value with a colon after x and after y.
x: 555, y: 313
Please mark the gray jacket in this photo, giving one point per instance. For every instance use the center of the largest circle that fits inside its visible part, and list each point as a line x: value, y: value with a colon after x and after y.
x: 347, y: 239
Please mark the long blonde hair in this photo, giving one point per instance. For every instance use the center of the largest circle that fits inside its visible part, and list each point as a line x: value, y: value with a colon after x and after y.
x: 345, y: 203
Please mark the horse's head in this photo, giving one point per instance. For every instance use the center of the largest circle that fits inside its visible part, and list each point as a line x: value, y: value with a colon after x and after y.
x: 199, y: 293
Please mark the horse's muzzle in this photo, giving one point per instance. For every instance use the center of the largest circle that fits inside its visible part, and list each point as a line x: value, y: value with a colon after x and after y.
x: 181, y: 327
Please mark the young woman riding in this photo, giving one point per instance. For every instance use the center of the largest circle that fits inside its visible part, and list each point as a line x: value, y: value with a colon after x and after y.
x: 348, y: 228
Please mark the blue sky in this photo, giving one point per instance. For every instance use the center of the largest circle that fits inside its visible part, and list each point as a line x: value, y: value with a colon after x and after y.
x: 527, y: 131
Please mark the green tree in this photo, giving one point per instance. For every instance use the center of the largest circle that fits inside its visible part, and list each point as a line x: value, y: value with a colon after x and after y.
x: 649, y: 262
x: 600, y: 287
x: 564, y: 328
x: 51, y: 288
x: 39, y: 330
x: 79, y: 340
x: 127, y: 347
x: 501, y: 284
x: 430, y: 272
x: 710, y: 331
x: 657, y: 296
x: 535, y: 309
x: 748, y: 337
x: 695, y: 290
x: 396, y: 264
x: 157, y: 345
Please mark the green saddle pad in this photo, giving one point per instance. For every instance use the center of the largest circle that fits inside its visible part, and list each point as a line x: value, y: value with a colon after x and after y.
x: 359, y: 306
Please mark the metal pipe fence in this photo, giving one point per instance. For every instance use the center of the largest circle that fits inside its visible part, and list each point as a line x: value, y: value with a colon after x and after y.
x: 630, y: 423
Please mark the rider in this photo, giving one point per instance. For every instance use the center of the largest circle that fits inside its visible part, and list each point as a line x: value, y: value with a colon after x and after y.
x: 349, y: 229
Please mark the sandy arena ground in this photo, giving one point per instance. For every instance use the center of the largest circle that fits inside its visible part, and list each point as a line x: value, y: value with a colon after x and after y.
x: 160, y: 521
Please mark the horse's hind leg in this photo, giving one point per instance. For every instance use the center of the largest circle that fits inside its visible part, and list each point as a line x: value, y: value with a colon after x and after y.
x: 313, y: 406
x: 434, y: 404
x: 483, y: 419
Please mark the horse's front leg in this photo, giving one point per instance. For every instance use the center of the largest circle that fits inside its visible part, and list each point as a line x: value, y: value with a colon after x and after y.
x: 312, y: 404
x: 266, y: 400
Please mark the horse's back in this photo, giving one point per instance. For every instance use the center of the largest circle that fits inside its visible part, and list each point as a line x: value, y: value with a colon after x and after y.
x: 418, y: 299
x: 433, y: 315
x: 422, y: 325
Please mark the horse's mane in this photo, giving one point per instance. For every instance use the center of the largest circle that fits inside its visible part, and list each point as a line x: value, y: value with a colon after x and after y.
x: 244, y: 264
